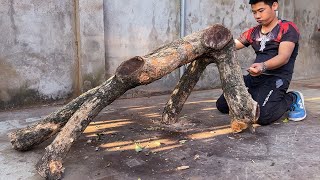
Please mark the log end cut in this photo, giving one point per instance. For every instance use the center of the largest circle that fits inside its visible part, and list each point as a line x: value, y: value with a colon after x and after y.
x: 238, y: 126
x: 216, y: 37
x: 51, y: 170
x: 130, y: 67
x: 26, y: 138
x: 21, y: 141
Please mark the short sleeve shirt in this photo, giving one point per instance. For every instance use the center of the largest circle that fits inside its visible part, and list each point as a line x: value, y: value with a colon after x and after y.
x: 266, y: 46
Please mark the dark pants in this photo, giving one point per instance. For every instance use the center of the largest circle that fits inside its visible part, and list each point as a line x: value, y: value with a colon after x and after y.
x: 271, y: 94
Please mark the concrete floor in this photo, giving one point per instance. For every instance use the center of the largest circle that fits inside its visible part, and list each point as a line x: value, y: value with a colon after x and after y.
x: 202, y: 141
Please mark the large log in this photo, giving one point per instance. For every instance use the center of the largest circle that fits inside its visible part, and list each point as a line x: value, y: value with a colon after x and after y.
x: 244, y: 111
x: 137, y: 71
x: 147, y: 69
x: 131, y: 73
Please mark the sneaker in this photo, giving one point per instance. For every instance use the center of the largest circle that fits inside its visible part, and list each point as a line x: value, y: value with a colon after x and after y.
x: 297, y: 110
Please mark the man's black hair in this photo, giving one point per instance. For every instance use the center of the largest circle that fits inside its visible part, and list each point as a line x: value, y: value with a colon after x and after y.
x: 269, y: 2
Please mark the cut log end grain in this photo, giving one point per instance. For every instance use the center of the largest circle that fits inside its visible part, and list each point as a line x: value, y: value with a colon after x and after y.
x: 238, y: 125
x: 217, y: 37
x: 129, y: 67
x: 54, y: 170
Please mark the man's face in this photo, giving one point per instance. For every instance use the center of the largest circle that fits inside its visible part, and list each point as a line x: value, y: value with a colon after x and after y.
x: 263, y: 13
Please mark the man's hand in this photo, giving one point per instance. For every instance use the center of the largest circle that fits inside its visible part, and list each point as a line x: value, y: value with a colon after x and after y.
x: 255, y: 69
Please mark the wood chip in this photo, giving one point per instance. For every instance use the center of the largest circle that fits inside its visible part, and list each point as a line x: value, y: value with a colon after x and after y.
x: 183, y: 168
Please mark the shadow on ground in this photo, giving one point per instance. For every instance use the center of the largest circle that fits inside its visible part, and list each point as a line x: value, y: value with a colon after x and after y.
x: 200, y: 146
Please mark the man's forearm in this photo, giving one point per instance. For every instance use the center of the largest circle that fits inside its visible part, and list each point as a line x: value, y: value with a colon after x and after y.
x: 238, y: 44
x: 276, y: 62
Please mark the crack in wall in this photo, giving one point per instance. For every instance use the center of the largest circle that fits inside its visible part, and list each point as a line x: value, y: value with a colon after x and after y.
x: 13, y: 23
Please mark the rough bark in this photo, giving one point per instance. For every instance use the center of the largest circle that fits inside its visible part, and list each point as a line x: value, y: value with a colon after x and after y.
x: 131, y: 73
x: 184, y: 88
x: 244, y: 111
x: 26, y: 138
x: 146, y: 69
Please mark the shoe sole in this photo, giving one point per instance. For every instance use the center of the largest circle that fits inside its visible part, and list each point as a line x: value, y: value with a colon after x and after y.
x: 305, y: 112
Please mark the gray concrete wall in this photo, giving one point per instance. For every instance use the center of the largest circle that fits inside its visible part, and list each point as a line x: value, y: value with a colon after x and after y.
x: 51, y: 50
x: 37, y: 55
x: 307, y: 18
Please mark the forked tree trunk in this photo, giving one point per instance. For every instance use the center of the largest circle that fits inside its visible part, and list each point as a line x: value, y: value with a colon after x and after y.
x: 131, y: 73
x: 214, y: 42
x: 136, y: 71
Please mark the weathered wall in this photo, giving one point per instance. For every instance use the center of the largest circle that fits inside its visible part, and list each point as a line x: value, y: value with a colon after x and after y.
x: 52, y: 50
x: 307, y: 18
x: 36, y: 51
x: 91, y: 49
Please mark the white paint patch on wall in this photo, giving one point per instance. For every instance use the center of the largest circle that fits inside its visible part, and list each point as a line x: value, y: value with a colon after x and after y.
x: 53, y: 87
